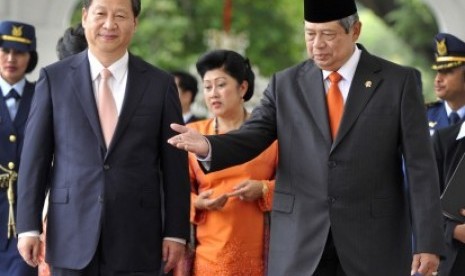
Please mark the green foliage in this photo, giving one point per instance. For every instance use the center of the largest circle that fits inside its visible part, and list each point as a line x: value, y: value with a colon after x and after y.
x: 160, y: 34
x: 174, y: 38
x: 415, y: 24
x: 172, y: 33
x: 382, y: 40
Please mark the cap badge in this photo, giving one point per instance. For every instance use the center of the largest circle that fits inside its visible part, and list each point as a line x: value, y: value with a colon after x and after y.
x: 17, y: 31
x: 442, y: 47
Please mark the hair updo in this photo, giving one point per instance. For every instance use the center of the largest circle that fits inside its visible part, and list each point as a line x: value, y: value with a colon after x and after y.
x: 232, y: 63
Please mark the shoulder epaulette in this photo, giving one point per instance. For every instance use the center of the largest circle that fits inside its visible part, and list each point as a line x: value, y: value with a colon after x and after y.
x: 433, y: 104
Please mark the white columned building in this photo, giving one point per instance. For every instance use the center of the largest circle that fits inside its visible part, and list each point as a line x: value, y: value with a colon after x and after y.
x: 52, y: 17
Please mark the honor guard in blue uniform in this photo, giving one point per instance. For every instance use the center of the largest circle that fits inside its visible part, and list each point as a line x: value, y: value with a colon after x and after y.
x: 18, y: 57
x: 449, y: 84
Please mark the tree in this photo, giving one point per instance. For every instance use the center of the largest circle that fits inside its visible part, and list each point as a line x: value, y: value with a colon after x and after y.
x: 411, y: 20
x: 172, y: 33
x: 173, y: 37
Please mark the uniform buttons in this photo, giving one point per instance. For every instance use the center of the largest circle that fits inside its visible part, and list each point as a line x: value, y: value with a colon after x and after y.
x: 106, y: 167
x: 332, y: 164
x: 100, y: 198
x: 11, y: 165
x: 331, y: 200
x: 12, y: 138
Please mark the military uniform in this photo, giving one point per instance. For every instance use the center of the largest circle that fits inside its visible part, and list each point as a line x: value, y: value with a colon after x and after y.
x: 449, y: 54
x: 437, y: 116
x: 20, y: 37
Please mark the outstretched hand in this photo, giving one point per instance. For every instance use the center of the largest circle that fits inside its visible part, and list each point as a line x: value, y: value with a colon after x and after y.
x: 189, y: 140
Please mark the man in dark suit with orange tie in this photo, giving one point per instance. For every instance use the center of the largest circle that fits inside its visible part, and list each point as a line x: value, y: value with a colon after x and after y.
x: 102, y: 118
x: 345, y: 120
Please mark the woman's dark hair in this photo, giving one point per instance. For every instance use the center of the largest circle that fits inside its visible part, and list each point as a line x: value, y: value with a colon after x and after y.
x: 72, y: 42
x: 32, y: 62
x: 232, y: 63
x: 135, y: 6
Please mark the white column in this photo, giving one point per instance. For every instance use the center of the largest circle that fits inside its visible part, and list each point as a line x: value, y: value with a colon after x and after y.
x: 49, y: 17
x: 449, y: 16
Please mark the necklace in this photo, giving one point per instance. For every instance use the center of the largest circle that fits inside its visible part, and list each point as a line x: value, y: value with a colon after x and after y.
x: 216, y: 126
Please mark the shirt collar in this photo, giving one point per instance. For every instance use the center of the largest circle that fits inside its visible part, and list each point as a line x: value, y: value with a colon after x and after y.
x: 460, y: 111
x: 347, y: 71
x: 117, y: 69
x: 6, y: 87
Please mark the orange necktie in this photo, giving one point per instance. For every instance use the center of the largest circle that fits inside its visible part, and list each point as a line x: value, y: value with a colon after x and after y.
x: 335, y: 103
x: 106, y: 107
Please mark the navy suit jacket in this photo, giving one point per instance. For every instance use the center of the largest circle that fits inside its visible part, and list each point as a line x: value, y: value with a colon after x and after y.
x: 112, y: 197
x: 352, y: 186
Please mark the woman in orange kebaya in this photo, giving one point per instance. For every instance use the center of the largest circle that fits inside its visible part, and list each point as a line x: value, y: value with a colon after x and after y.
x: 229, y: 207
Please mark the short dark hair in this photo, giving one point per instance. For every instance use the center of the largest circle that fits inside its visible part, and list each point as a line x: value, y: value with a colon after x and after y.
x: 135, y: 6
x: 232, y: 63
x: 34, y: 58
x: 72, y: 42
x: 187, y: 82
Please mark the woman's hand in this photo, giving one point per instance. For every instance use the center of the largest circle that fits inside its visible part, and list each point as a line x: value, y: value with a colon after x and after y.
x: 203, y: 201
x: 249, y: 190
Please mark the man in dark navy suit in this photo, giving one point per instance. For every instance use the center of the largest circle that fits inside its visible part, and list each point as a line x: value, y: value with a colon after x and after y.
x: 102, y: 116
x: 449, y: 84
x: 18, y: 57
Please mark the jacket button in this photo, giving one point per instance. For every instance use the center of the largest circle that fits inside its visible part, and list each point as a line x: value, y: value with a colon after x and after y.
x: 12, y: 138
x: 100, y: 199
x: 106, y: 167
x: 332, y: 164
x: 11, y: 165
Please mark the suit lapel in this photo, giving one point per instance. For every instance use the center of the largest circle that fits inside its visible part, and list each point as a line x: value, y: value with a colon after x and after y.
x: 457, y: 155
x: 135, y: 88
x: 363, y: 87
x: 310, y: 81
x: 81, y: 84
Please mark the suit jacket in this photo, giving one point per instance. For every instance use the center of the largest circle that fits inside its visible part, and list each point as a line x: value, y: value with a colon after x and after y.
x: 11, y: 143
x: 352, y: 186
x: 111, y: 197
x: 449, y: 151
